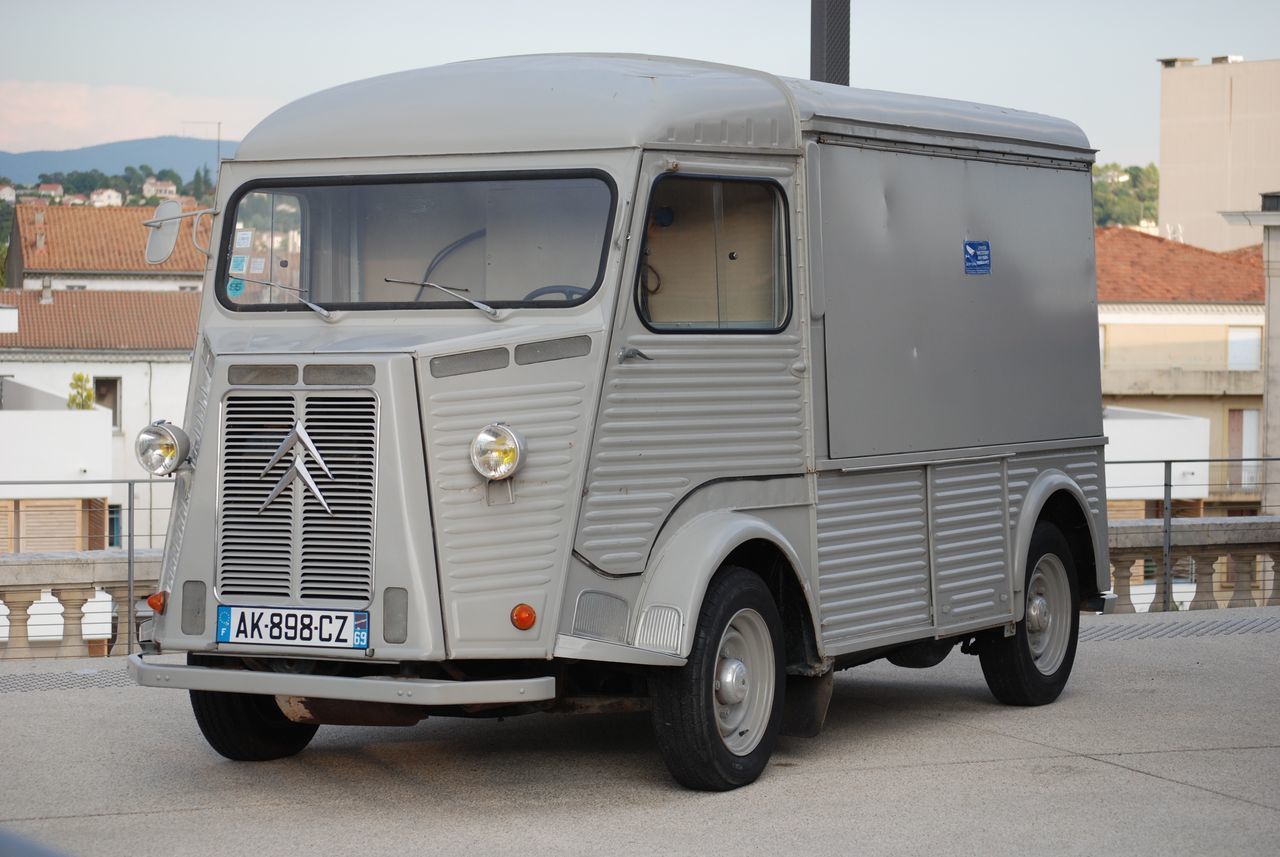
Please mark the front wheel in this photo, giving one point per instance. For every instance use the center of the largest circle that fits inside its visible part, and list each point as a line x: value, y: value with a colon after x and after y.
x: 716, y: 718
x: 248, y: 728
x: 1032, y: 666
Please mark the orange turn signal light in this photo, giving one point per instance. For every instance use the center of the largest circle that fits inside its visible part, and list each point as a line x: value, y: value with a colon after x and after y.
x: 523, y: 616
x: 157, y: 601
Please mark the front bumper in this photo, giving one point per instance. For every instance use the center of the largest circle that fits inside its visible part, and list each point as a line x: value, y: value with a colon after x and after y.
x: 409, y: 691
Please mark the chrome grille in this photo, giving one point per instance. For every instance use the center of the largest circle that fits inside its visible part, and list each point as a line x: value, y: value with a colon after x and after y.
x: 337, y: 548
x: 292, y: 549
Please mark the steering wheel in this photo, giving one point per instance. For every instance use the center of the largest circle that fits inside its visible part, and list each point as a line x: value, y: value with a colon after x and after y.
x: 569, y: 292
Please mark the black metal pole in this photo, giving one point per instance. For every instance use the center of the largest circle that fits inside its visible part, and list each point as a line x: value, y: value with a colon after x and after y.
x: 829, y: 41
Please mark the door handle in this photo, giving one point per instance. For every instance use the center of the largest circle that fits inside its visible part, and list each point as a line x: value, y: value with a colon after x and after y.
x: 627, y: 352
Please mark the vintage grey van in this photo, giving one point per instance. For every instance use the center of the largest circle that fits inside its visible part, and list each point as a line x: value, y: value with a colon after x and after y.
x: 582, y: 382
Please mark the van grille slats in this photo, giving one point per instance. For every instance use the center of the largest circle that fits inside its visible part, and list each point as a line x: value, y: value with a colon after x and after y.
x: 294, y: 550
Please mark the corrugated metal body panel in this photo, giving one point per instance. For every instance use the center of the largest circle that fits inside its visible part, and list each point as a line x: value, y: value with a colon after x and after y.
x: 499, y: 544
x: 1082, y: 465
x: 705, y: 407
x: 873, y: 553
x: 969, y: 528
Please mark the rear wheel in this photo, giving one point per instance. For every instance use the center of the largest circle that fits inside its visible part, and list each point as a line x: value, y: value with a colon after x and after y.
x: 716, y: 718
x: 248, y: 727
x: 1032, y: 666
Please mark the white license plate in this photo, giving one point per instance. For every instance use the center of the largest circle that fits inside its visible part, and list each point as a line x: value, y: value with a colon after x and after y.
x: 293, y: 626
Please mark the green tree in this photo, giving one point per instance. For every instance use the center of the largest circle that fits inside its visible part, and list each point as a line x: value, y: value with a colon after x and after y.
x: 1125, y: 196
x: 81, y: 397
x: 168, y: 175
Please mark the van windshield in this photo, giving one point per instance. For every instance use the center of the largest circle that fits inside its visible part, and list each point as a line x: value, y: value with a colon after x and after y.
x: 532, y: 240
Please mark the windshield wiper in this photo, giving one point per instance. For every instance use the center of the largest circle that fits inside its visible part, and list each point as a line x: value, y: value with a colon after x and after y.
x: 483, y: 307
x: 326, y: 314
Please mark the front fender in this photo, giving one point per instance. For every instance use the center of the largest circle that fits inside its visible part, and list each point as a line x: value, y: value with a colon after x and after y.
x: 677, y: 579
x: 1045, y: 486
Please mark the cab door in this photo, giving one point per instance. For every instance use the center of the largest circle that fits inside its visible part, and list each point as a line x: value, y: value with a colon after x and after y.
x: 705, y: 379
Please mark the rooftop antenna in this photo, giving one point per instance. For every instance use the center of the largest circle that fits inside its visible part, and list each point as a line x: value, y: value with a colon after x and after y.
x: 829, y: 41
x: 216, y: 122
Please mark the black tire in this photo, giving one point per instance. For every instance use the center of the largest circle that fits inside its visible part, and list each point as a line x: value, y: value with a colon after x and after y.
x: 248, y: 727
x: 685, y: 709
x: 1009, y: 664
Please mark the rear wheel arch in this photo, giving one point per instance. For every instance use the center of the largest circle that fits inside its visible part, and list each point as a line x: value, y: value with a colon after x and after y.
x: 1057, y: 499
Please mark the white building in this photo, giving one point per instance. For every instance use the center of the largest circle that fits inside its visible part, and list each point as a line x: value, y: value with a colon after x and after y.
x: 53, y: 517
x: 8, y: 194
x: 85, y: 248
x: 154, y: 187
x: 134, y: 346
x: 1219, y: 139
x: 105, y: 197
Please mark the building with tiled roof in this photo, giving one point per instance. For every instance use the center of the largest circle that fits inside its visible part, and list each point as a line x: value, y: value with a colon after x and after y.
x: 99, y: 322
x: 1181, y: 331
x: 1136, y: 267
x: 83, y: 247
x: 1251, y: 255
x: 135, y: 347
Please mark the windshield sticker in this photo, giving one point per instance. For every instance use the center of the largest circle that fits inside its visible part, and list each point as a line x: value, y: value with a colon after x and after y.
x: 257, y: 265
x: 244, y: 238
x: 235, y: 288
x: 977, y: 257
x: 239, y: 264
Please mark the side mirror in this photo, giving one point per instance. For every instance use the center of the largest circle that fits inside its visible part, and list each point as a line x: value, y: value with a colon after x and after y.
x: 164, y: 231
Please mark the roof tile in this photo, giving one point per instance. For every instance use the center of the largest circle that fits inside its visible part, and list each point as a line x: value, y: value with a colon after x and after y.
x: 1134, y: 267
x: 102, y: 320
x: 81, y: 239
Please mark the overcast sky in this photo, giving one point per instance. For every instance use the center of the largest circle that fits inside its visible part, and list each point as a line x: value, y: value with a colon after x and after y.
x: 78, y: 72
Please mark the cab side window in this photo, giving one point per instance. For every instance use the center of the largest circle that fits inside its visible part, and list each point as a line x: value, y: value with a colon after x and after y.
x: 714, y: 257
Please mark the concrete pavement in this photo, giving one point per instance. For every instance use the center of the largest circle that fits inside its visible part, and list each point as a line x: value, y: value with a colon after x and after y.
x: 1160, y: 745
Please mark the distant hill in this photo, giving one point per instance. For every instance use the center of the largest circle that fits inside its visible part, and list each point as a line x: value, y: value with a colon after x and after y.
x: 184, y: 154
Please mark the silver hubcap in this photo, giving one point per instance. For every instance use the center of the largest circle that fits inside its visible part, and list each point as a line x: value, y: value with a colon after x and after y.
x: 731, y: 682
x: 1037, y: 614
x: 1048, y: 614
x: 743, y: 690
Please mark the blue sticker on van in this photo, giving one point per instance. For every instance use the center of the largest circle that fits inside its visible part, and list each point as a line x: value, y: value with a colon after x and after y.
x: 977, y: 257
x: 235, y: 288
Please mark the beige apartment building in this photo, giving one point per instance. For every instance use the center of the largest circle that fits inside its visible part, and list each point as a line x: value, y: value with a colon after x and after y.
x: 1181, y: 331
x: 1219, y: 146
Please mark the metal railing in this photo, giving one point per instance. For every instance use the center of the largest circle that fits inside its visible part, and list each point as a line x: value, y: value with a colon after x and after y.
x: 1208, y: 512
x: 92, y: 566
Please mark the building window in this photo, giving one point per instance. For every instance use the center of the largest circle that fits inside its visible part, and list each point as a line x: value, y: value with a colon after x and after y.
x: 1244, y: 348
x: 715, y: 257
x: 76, y: 287
x: 1243, y: 442
x: 106, y: 392
x: 113, y: 526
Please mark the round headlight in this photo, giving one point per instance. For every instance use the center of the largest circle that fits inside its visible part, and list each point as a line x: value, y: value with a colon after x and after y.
x: 496, y: 451
x: 161, y: 447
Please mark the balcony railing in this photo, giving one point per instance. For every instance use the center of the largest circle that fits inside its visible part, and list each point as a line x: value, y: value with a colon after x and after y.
x: 1205, y: 537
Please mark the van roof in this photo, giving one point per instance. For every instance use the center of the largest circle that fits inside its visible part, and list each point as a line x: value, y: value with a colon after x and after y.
x: 558, y: 102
